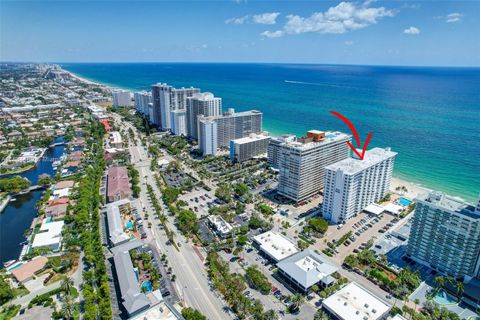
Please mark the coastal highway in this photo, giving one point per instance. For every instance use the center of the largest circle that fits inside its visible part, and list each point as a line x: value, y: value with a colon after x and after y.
x: 191, y: 278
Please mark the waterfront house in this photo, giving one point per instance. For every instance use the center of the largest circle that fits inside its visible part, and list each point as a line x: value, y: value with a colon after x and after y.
x: 49, y: 235
x: 27, y: 270
x: 57, y: 211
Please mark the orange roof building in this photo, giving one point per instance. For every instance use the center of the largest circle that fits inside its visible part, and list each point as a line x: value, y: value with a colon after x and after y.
x: 26, y: 271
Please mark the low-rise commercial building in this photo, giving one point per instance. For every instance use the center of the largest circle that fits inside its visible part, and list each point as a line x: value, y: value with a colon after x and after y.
x: 133, y: 299
x: 116, y: 140
x: 275, y: 246
x: 354, y: 302
x: 118, y: 184
x: 305, y: 269
x: 222, y: 228
x: 353, y: 184
x: 116, y: 233
x: 249, y: 147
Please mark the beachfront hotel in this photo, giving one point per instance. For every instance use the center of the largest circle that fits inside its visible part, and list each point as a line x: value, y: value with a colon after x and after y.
x: 301, y: 162
x: 445, y: 235
x: 121, y: 98
x: 166, y: 99
x: 201, y: 104
x: 353, y: 184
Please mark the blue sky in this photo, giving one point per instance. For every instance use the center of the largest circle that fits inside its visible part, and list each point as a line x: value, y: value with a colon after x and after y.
x: 442, y: 33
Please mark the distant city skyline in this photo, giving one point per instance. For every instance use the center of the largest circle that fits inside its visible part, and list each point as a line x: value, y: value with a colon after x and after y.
x: 414, y: 33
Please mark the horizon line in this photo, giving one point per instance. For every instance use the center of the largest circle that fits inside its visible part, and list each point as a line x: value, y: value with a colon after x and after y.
x: 244, y: 62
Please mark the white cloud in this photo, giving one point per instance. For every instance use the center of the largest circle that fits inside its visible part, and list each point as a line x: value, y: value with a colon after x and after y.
x: 454, y: 17
x: 348, y: 43
x: 411, y: 30
x: 344, y: 17
x: 266, y: 18
x: 272, y: 34
x: 263, y: 18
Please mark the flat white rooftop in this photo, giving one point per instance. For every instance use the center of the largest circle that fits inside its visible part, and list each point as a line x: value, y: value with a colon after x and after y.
x: 251, y: 138
x: 372, y: 157
x: 330, y: 137
x: 276, y: 245
x: 374, y: 208
x: 50, y: 234
x: 353, y: 302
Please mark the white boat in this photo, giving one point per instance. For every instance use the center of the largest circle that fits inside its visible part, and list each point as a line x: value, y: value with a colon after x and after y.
x: 9, y: 263
x: 13, y: 199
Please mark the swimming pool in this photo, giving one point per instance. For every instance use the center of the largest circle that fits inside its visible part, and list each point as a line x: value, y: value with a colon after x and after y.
x: 15, y: 266
x: 129, y: 224
x: 404, y: 201
x: 442, y: 297
x: 147, y: 285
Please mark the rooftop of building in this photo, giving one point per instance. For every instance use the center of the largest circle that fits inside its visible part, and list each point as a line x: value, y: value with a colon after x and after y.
x: 115, y: 223
x: 232, y: 114
x: 252, y: 137
x: 454, y: 204
x: 26, y: 270
x: 276, y: 245
x: 50, y: 233
x: 307, y: 267
x: 133, y: 299
x: 118, y: 181
x: 372, y: 157
x: 307, y: 143
x: 353, y: 302
x: 221, y: 225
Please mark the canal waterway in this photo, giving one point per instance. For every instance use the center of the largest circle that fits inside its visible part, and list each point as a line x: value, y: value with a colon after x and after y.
x: 18, y: 215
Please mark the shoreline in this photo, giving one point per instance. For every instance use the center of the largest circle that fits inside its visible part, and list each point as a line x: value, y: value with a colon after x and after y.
x: 413, y: 189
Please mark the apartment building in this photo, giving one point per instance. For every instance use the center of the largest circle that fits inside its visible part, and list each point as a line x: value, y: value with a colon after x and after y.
x: 178, y: 120
x: 274, y: 147
x: 208, y: 136
x: 121, y: 98
x: 142, y: 101
x: 352, y: 184
x: 166, y: 99
x: 445, y: 235
x: 201, y: 104
x: 249, y: 147
x: 301, y: 163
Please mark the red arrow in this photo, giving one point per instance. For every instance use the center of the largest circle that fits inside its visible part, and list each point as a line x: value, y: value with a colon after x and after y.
x: 355, y: 134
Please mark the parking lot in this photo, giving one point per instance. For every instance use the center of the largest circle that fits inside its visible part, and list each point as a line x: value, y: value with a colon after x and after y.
x: 199, y: 201
x: 364, y: 227
x: 278, y: 297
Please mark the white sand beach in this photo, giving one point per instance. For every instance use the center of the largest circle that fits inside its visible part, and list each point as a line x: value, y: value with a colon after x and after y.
x: 413, y: 189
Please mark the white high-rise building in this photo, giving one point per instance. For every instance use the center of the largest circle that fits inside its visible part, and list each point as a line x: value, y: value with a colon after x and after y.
x: 352, y: 184
x: 249, y: 147
x: 208, y: 136
x: 179, y: 122
x: 121, y: 98
x: 201, y: 104
x: 274, y: 147
x: 445, y: 235
x: 166, y: 99
x: 301, y: 163
x: 142, y: 99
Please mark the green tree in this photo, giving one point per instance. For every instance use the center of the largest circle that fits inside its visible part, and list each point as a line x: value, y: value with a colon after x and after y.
x: 319, y: 225
x: 192, y: 314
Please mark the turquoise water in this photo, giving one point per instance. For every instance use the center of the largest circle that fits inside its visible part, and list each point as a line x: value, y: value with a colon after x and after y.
x: 129, y: 224
x: 430, y: 116
x: 443, y: 297
x: 147, y: 285
x: 404, y: 202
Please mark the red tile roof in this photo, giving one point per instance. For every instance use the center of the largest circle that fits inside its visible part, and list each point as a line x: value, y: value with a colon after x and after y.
x: 118, y: 182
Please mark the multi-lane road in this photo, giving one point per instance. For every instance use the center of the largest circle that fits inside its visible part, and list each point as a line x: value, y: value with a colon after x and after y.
x: 191, y: 278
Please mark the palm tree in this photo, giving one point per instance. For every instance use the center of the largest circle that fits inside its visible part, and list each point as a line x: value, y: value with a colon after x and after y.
x: 68, y: 307
x: 321, y: 315
x: 270, y: 315
x: 67, y: 285
x: 440, y: 282
x: 298, y: 299
x: 460, y: 288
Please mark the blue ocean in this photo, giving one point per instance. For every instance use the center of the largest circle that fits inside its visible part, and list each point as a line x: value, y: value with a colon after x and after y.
x: 430, y: 116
